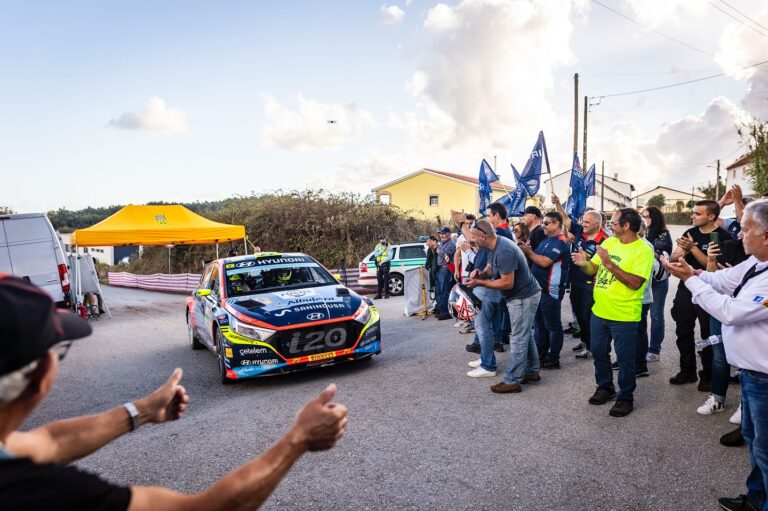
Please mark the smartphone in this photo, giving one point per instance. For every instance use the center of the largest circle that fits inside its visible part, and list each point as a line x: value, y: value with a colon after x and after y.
x: 714, y: 238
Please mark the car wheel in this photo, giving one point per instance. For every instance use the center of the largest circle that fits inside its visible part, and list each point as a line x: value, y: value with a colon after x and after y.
x: 220, y: 356
x: 193, y: 342
x: 396, y: 285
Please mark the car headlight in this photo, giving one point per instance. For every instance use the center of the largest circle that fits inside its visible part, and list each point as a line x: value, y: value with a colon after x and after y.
x: 254, y: 332
x: 363, y: 313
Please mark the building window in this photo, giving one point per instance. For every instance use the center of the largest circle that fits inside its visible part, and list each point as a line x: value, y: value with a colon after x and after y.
x: 433, y: 200
x: 385, y: 199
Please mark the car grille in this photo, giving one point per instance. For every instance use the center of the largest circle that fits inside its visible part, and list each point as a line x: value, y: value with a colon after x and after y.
x: 316, y: 339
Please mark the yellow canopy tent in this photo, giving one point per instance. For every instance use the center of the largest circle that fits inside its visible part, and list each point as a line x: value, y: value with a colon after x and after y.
x: 156, y: 225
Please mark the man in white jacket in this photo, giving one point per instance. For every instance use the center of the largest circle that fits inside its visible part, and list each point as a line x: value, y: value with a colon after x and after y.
x: 738, y: 297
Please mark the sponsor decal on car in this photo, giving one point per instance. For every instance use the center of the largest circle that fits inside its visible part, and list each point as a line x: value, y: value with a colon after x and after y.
x: 253, y: 351
x: 315, y: 316
x: 296, y: 293
x: 259, y: 362
x: 322, y: 356
x: 228, y: 352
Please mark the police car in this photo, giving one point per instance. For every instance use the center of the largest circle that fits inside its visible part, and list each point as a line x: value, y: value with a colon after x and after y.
x: 274, y: 313
x: 407, y: 255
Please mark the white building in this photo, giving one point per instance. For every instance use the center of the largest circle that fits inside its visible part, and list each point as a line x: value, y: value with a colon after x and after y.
x: 105, y: 255
x: 675, y: 201
x: 734, y: 175
x: 618, y: 194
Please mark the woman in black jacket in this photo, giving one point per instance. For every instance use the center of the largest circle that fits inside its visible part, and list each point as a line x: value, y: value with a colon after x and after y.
x: 659, y: 236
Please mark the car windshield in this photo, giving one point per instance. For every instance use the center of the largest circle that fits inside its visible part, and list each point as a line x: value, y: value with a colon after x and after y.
x: 268, y: 274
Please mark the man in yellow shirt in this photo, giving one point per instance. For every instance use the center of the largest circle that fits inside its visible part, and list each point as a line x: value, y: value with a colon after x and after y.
x: 623, y: 265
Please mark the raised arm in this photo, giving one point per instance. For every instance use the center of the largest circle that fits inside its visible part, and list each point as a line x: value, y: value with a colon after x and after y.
x: 561, y: 210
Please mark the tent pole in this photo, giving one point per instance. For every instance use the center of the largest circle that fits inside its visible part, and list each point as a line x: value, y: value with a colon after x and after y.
x: 245, y: 244
x: 217, y: 250
x: 169, y: 260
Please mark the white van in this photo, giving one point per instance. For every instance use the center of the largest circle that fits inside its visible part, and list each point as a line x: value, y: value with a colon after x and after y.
x: 31, y: 249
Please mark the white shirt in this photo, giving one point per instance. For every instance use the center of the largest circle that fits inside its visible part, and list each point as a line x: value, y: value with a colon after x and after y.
x: 744, y: 318
x: 467, y: 256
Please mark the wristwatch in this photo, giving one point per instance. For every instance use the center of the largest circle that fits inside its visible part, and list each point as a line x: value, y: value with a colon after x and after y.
x: 133, y: 413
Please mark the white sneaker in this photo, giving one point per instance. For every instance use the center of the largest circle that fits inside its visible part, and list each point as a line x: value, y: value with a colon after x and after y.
x: 458, y: 324
x: 710, y: 406
x: 474, y: 363
x: 652, y: 357
x: 736, y: 417
x: 584, y: 355
x: 481, y: 373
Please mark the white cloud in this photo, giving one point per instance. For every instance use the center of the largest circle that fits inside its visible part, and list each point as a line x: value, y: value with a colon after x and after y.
x: 314, y: 124
x: 487, y: 68
x: 154, y: 117
x: 659, y: 12
x: 391, y: 14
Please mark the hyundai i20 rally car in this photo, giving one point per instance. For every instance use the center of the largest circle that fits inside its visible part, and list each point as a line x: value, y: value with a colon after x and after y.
x: 274, y: 313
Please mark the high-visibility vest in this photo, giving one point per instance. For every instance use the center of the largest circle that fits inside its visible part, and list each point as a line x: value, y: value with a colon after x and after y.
x: 384, y: 253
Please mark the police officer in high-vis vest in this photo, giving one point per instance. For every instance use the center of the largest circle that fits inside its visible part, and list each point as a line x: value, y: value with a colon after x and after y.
x: 383, y: 255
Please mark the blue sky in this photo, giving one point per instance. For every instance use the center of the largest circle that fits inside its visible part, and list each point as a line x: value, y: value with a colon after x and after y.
x: 183, y: 101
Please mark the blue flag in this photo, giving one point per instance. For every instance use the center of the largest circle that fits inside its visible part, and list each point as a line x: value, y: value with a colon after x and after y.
x: 577, y: 202
x: 589, y: 182
x: 514, y: 200
x: 484, y: 180
x: 531, y: 176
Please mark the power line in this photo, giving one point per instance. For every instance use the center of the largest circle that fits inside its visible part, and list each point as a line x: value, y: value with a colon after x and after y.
x: 667, y: 105
x: 735, y: 18
x: 672, y: 84
x: 662, y: 34
x: 649, y: 73
x: 747, y: 17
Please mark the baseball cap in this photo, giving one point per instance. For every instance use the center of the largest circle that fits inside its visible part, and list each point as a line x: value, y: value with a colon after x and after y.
x: 445, y: 230
x: 30, y: 324
x: 533, y: 210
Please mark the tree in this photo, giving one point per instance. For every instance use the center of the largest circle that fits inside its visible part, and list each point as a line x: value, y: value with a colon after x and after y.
x: 658, y: 200
x: 5, y: 210
x: 710, y: 191
x: 690, y: 204
x: 755, y: 135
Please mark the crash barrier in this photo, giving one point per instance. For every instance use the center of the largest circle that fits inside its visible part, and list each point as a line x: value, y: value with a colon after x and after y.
x: 179, y: 283
x: 349, y: 278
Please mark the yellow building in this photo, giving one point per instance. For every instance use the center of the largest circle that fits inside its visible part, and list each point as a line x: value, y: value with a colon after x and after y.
x: 432, y: 193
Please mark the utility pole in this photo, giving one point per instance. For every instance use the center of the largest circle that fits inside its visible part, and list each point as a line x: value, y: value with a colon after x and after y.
x: 602, y: 187
x: 494, y: 164
x: 717, y: 183
x: 584, y: 166
x: 575, y: 113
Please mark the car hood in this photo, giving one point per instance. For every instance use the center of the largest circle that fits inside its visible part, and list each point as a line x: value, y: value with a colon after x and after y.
x: 298, y: 306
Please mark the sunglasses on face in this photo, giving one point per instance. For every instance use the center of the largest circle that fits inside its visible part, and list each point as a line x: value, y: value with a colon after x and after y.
x: 476, y: 226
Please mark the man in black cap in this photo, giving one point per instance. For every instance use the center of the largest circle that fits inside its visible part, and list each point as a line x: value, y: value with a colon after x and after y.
x: 532, y: 217
x: 34, y: 338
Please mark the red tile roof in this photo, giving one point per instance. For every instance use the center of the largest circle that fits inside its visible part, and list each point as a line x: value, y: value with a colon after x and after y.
x: 469, y: 179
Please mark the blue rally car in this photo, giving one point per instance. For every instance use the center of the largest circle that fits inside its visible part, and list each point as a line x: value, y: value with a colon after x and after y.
x: 273, y: 313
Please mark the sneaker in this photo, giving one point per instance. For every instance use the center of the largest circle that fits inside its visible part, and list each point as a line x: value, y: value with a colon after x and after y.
x: 740, y: 503
x: 443, y: 317
x: 615, y: 366
x: 550, y: 365
x: 467, y: 329
x: 652, y: 357
x: 474, y: 363
x: 642, y: 373
x: 733, y: 439
x: 682, y: 378
x: 506, y: 388
x: 531, y: 378
x: 472, y: 348
x: 584, y: 355
x: 710, y: 406
x: 458, y: 324
x: 569, y: 330
x: 481, y: 373
x: 601, y: 396
x: 622, y: 408
x: 579, y: 347
x: 377, y: 297
x: 736, y: 417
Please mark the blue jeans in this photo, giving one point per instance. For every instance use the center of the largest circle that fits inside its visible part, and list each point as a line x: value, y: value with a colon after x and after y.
x: 502, y: 326
x: 754, y: 423
x: 443, y: 289
x: 659, y: 290
x: 523, y: 355
x: 548, y: 329
x: 624, y: 334
x: 489, y: 310
x: 641, y: 344
x: 721, y: 369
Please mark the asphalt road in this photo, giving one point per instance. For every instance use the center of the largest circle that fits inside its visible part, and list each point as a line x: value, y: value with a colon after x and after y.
x: 421, y: 434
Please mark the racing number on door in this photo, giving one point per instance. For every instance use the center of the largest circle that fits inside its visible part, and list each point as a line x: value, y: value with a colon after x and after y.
x: 333, y: 338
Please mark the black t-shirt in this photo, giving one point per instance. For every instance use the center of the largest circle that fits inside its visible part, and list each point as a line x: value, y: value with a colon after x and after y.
x: 25, y: 485
x: 536, y: 235
x: 702, y: 241
x: 576, y: 275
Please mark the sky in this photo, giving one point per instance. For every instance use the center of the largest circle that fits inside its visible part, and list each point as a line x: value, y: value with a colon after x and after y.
x: 107, y: 103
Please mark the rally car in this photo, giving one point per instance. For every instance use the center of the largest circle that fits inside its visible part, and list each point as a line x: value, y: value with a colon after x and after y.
x: 274, y: 313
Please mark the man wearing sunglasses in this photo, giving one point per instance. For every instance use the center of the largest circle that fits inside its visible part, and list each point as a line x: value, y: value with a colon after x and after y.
x: 34, y: 338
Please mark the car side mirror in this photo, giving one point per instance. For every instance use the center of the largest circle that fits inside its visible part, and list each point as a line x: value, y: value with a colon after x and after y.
x: 203, y: 292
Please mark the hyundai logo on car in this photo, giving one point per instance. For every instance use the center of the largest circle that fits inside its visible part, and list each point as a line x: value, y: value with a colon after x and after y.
x: 315, y: 316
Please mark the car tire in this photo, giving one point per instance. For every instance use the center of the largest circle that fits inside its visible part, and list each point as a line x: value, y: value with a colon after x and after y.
x: 193, y: 342
x: 396, y: 284
x: 220, y: 358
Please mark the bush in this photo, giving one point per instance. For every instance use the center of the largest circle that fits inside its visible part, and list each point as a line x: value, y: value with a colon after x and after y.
x: 682, y: 218
x: 330, y: 227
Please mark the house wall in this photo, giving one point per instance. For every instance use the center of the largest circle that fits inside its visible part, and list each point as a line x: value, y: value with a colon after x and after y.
x: 674, y: 200
x: 561, y: 185
x: 414, y: 195
x: 736, y: 176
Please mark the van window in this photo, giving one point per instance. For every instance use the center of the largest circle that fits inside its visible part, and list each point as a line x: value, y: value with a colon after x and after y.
x: 412, y: 252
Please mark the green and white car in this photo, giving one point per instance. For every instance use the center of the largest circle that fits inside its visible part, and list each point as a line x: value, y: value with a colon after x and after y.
x: 407, y: 255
